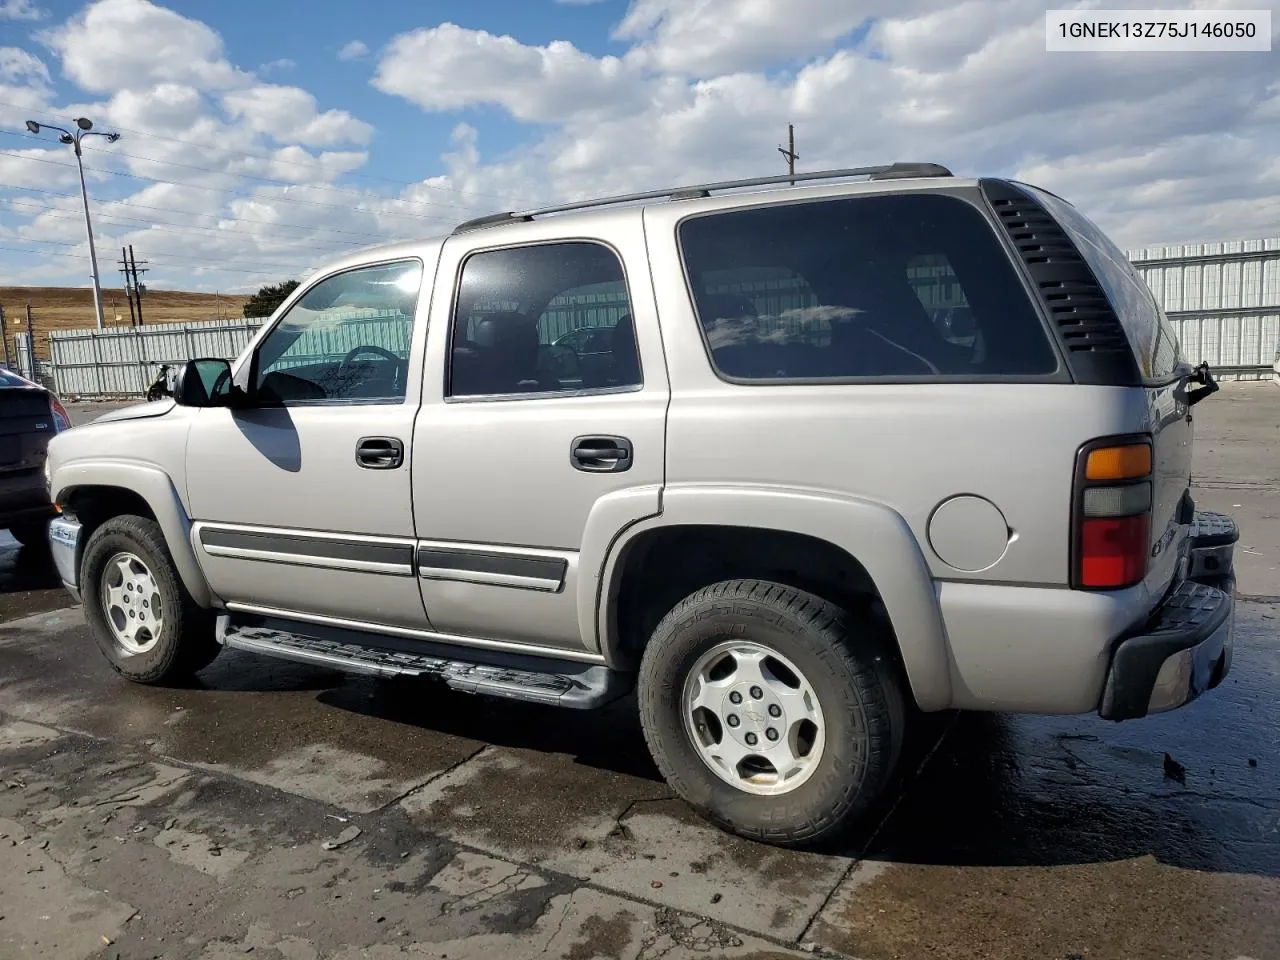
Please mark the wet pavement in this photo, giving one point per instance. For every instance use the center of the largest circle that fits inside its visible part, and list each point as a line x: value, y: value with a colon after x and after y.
x: 192, y: 822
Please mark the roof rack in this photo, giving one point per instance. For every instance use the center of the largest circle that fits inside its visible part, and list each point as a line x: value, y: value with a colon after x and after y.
x: 889, y: 171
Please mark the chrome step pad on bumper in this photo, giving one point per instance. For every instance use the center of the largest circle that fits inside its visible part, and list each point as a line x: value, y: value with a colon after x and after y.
x: 1213, y: 539
x: 538, y: 680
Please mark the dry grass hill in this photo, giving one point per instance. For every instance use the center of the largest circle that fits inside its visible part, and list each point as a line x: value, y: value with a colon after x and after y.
x: 71, y: 308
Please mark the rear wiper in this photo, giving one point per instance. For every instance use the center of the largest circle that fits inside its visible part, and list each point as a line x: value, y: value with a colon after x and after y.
x: 1208, y: 384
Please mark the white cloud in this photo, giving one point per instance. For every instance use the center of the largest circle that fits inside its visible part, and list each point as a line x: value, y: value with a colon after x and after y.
x: 20, y: 10
x: 353, y: 50
x: 709, y: 37
x: 282, y: 65
x: 1158, y: 148
x: 123, y: 44
x: 221, y: 180
x: 449, y: 67
x: 1151, y: 145
x: 580, y: 3
x: 289, y: 114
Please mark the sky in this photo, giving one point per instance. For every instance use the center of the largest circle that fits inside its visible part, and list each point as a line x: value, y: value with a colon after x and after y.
x: 259, y: 139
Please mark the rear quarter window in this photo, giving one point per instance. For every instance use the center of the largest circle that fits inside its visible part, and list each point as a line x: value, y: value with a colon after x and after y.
x: 1150, y: 334
x: 913, y: 286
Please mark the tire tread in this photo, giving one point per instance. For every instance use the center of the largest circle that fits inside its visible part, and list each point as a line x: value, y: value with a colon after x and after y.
x: 877, y: 695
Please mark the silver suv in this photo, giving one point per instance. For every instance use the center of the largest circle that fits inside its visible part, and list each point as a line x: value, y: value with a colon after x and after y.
x: 889, y: 441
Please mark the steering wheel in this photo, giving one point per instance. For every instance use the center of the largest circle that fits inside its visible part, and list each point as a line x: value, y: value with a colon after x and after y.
x: 370, y: 348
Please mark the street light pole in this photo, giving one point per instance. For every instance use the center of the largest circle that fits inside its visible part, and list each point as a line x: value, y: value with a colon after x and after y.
x: 84, y: 127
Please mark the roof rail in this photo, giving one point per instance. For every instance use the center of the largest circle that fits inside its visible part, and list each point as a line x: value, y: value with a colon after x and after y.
x: 889, y: 171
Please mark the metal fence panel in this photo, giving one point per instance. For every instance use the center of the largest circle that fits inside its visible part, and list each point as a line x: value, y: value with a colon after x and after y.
x: 1222, y: 298
x: 124, y: 361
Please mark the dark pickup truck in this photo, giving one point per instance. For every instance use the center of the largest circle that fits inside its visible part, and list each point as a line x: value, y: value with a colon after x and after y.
x: 30, y: 415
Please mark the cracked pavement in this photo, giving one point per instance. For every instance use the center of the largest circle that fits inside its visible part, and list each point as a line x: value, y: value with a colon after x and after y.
x: 194, y: 823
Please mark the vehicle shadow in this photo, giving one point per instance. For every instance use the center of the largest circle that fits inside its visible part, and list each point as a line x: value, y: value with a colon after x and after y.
x: 29, y: 583
x: 1013, y: 791
x: 973, y: 790
x: 607, y: 739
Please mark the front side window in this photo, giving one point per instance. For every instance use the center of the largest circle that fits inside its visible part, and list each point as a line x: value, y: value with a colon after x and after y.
x: 897, y: 286
x: 548, y: 318
x: 346, y: 339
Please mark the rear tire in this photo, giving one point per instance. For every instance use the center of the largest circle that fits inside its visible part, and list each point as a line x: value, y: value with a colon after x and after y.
x: 828, y: 688
x: 145, y: 622
x: 31, y: 533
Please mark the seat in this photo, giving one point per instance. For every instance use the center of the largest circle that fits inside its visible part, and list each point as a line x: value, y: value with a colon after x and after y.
x: 626, y: 358
x: 508, y: 345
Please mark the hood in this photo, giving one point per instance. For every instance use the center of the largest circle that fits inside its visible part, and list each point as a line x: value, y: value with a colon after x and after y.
x: 138, y: 411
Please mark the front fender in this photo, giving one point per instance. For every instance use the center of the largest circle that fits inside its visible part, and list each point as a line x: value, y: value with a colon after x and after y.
x: 876, y: 536
x: 156, y: 488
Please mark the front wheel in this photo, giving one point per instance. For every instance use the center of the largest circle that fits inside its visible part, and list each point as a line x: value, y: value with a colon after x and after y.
x: 142, y: 617
x: 767, y: 711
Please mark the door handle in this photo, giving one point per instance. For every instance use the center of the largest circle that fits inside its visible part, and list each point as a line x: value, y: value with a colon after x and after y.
x: 379, y: 453
x: 601, y: 454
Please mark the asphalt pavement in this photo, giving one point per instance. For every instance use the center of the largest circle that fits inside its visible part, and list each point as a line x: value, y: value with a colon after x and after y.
x: 289, y: 812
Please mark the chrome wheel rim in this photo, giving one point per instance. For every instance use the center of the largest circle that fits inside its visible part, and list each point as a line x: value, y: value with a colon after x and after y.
x: 753, y: 718
x: 132, y: 603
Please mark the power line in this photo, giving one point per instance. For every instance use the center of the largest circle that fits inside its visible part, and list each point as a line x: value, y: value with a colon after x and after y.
x: 166, y: 226
x: 226, y: 190
x: 192, y: 213
x: 81, y: 256
x: 288, y: 268
x: 250, y: 176
x: 300, y: 163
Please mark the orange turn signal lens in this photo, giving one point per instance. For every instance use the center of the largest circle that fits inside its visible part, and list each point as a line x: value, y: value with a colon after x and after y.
x: 1129, y: 462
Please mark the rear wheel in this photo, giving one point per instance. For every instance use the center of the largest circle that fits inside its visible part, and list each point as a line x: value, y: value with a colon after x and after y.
x: 144, y: 621
x: 768, y: 710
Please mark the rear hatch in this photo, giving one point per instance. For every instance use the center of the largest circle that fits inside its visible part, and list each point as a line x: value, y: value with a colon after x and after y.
x: 1115, y: 334
x: 26, y: 425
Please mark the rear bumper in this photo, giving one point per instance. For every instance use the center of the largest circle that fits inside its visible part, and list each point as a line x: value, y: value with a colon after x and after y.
x: 22, y: 498
x: 1184, y: 649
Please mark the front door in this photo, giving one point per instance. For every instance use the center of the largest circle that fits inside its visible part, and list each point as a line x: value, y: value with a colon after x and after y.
x: 541, y: 434
x: 302, y: 503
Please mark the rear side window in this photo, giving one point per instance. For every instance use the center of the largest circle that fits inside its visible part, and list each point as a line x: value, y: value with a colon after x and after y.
x: 1150, y: 335
x: 546, y: 318
x: 898, y: 287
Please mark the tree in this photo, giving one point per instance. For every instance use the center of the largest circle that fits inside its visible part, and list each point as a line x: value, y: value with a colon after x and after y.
x: 264, y: 302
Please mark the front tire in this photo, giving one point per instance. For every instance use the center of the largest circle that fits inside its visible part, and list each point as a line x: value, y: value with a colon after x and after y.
x: 770, y: 711
x: 145, y: 622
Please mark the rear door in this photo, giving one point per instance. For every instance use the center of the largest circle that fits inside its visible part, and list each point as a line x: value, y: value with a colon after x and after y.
x: 1164, y: 372
x: 530, y: 454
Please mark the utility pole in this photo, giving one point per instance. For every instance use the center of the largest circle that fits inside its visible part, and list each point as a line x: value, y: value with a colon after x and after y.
x: 32, y: 374
x: 128, y: 285
x: 5, y: 334
x: 84, y: 127
x: 138, y: 288
x: 790, y: 151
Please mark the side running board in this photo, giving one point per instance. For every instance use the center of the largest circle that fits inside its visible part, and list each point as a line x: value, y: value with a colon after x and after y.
x: 561, y: 683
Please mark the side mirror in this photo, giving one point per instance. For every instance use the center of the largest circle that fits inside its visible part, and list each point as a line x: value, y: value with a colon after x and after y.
x: 203, y: 383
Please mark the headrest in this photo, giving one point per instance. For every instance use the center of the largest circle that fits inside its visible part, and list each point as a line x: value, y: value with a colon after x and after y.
x: 506, y: 330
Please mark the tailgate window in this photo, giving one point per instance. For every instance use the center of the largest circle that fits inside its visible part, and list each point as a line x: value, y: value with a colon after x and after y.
x: 897, y: 287
x: 1150, y: 334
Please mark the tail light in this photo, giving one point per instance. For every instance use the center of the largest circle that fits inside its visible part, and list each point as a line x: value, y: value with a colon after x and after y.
x: 60, y: 419
x: 1112, y: 514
